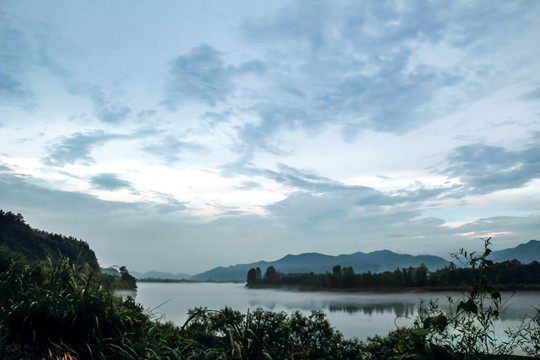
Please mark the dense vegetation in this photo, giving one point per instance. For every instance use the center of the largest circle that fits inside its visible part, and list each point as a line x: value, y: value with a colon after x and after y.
x: 51, y: 249
x: 35, y: 244
x: 63, y: 312
x: 507, y: 275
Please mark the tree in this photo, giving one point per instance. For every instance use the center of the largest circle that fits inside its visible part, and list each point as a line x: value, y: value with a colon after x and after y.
x: 127, y: 281
x: 252, y: 276
x: 421, y: 275
x: 271, y: 275
x: 348, y: 276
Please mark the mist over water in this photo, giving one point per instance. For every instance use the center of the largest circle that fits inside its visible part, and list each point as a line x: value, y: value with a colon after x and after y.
x: 354, y: 314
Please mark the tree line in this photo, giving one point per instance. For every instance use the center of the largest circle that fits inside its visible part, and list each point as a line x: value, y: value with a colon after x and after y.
x: 507, y: 275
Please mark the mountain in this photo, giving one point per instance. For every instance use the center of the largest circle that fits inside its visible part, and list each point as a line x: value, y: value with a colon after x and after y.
x: 524, y: 253
x: 377, y: 261
x: 152, y: 274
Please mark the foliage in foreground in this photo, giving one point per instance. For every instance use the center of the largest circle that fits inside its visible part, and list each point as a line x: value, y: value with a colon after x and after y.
x: 64, y: 312
x: 228, y: 334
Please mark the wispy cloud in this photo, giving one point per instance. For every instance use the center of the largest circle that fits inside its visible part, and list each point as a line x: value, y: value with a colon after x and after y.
x: 170, y: 148
x: 76, y: 148
x: 203, y: 75
x: 486, y: 168
x: 15, y: 58
x: 380, y: 67
x: 112, y: 112
x: 111, y: 182
x: 486, y: 235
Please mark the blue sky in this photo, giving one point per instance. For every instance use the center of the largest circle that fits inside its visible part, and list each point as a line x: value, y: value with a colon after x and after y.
x: 180, y: 136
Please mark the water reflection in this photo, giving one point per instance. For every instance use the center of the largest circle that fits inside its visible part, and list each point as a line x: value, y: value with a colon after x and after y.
x: 354, y: 314
x: 516, y: 307
x: 406, y: 309
x: 398, y: 309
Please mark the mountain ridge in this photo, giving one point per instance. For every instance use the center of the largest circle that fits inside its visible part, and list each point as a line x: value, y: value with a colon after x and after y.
x: 321, y: 263
x: 375, y: 261
x: 524, y: 252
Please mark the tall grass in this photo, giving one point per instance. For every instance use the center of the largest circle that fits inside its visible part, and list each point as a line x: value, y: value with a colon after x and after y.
x: 60, y: 311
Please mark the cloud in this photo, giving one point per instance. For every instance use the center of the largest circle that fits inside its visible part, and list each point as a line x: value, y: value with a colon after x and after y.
x: 21, y: 192
x: 112, y: 113
x: 107, y: 111
x: 202, y: 75
x: 486, y: 168
x: 169, y: 206
x: 119, y: 231
x: 532, y: 95
x: 15, y: 59
x: 386, y: 67
x: 111, y: 182
x: 76, y: 148
x: 503, y: 229
x: 301, y: 23
x: 249, y: 185
x: 308, y: 182
x: 213, y: 118
x: 485, y: 235
x: 170, y: 147
x: 146, y: 114
x: 359, y: 57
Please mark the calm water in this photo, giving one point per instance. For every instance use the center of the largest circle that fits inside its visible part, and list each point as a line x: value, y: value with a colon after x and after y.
x: 354, y: 314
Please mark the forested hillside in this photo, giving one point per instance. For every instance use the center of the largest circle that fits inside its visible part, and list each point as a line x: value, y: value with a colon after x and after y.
x: 42, y: 246
x: 35, y: 244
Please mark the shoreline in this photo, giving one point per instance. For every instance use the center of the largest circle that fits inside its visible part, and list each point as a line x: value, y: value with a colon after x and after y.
x: 527, y: 288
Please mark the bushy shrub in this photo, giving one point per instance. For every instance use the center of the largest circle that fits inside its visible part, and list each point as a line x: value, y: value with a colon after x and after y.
x: 61, y: 311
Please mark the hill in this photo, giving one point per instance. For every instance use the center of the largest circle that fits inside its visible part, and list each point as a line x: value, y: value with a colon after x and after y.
x: 524, y: 253
x: 38, y: 245
x: 377, y: 261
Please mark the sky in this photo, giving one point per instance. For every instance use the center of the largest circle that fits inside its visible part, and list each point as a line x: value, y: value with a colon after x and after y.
x: 183, y: 135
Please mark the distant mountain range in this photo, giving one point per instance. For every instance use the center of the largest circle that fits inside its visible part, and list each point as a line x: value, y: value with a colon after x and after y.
x: 525, y: 253
x: 160, y: 275
x: 377, y: 261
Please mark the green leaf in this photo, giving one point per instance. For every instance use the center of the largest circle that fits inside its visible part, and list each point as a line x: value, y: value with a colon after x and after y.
x: 468, y: 306
x: 438, y: 322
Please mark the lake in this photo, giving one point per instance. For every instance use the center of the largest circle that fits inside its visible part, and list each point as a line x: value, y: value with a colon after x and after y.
x: 359, y: 314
